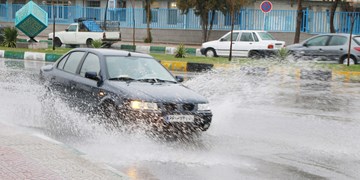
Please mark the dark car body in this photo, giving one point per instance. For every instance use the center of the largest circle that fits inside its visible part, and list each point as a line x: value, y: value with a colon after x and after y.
x: 328, y: 47
x: 88, y: 78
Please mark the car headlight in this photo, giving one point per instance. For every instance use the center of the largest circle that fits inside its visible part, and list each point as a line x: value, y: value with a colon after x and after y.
x: 203, y: 107
x: 140, y: 105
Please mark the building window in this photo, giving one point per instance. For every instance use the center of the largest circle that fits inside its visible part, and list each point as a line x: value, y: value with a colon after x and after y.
x: 121, y: 4
x: 93, y: 3
x: 19, y: 2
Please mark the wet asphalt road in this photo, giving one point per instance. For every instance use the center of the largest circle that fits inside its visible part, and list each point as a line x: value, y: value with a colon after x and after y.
x: 264, y: 127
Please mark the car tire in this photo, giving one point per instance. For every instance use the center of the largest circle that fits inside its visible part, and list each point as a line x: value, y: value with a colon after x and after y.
x: 255, y: 55
x: 210, y: 52
x: 57, y: 42
x: 352, y: 60
x: 109, y: 113
x: 89, y: 43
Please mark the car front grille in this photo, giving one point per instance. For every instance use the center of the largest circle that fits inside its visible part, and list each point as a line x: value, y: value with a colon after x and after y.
x: 188, y: 107
x: 171, y: 107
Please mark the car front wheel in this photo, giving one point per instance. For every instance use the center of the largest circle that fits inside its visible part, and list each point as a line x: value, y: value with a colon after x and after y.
x: 89, y: 43
x: 109, y: 113
x: 210, y: 52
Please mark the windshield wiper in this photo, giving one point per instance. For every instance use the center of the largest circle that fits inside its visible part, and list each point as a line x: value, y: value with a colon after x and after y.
x: 155, y: 80
x: 123, y: 78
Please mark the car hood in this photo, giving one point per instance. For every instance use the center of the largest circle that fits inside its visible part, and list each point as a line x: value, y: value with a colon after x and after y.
x: 157, y: 92
x: 294, y: 46
x: 206, y: 44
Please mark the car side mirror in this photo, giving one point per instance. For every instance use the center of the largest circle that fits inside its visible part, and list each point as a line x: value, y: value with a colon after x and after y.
x: 92, y: 75
x: 222, y: 39
x: 66, y: 30
x: 306, y: 45
x: 179, y: 78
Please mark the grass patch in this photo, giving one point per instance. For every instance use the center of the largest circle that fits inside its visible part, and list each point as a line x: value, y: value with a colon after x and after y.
x: 195, y: 59
x: 59, y: 51
x: 218, y: 60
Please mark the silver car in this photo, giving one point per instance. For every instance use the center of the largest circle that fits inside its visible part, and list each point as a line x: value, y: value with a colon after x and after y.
x: 328, y: 47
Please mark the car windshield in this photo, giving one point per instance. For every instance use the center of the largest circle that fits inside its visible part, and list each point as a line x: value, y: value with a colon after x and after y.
x: 357, y: 39
x: 136, y: 68
x: 266, y: 36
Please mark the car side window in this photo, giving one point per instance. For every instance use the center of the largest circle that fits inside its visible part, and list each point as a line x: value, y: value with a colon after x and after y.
x: 234, y: 37
x: 73, y: 62
x: 72, y: 28
x: 318, y: 41
x: 62, y: 62
x: 246, y: 36
x: 255, y: 37
x: 337, y: 40
x: 91, y: 64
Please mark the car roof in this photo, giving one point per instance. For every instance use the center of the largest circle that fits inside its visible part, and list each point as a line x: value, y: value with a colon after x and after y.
x: 112, y: 52
x: 338, y: 34
x: 249, y: 31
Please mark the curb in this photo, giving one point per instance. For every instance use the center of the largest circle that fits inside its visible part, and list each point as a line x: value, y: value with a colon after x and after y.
x: 156, y: 49
x: 170, y: 65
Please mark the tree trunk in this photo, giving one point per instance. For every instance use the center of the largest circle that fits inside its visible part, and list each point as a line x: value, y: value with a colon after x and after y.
x: 332, y: 14
x: 148, y: 19
x: 106, y: 8
x: 211, y: 24
x: 133, y: 25
x: 204, y: 26
x: 232, y: 30
x: 298, y: 22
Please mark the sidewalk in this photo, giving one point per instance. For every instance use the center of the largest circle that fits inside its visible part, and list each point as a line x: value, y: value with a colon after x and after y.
x: 27, y: 156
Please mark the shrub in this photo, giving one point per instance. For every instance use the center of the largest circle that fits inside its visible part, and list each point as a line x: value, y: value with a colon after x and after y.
x: 283, y: 53
x: 1, y: 35
x: 180, y: 51
x: 96, y: 43
x: 10, y: 36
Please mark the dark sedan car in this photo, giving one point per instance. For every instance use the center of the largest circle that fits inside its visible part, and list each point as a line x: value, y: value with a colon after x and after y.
x: 127, y: 87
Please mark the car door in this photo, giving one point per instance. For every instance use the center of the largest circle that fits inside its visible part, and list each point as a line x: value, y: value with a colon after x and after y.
x: 336, y: 47
x: 87, y: 89
x: 315, y: 47
x: 223, y: 46
x: 244, y: 44
x: 70, y: 34
x: 67, y: 72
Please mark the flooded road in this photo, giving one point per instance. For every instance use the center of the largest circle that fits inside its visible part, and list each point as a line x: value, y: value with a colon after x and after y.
x: 264, y: 127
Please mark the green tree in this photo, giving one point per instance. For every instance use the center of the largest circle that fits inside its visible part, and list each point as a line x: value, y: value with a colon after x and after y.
x: 148, y: 19
x: 202, y: 8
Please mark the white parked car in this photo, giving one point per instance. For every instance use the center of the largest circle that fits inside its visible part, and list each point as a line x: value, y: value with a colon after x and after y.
x: 76, y: 34
x: 246, y: 43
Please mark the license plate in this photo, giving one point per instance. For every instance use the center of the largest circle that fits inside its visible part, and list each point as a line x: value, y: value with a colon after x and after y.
x: 179, y: 118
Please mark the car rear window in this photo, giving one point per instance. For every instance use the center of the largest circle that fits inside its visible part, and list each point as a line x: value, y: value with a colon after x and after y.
x: 266, y: 36
x: 357, y: 40
x: 337, y: 40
